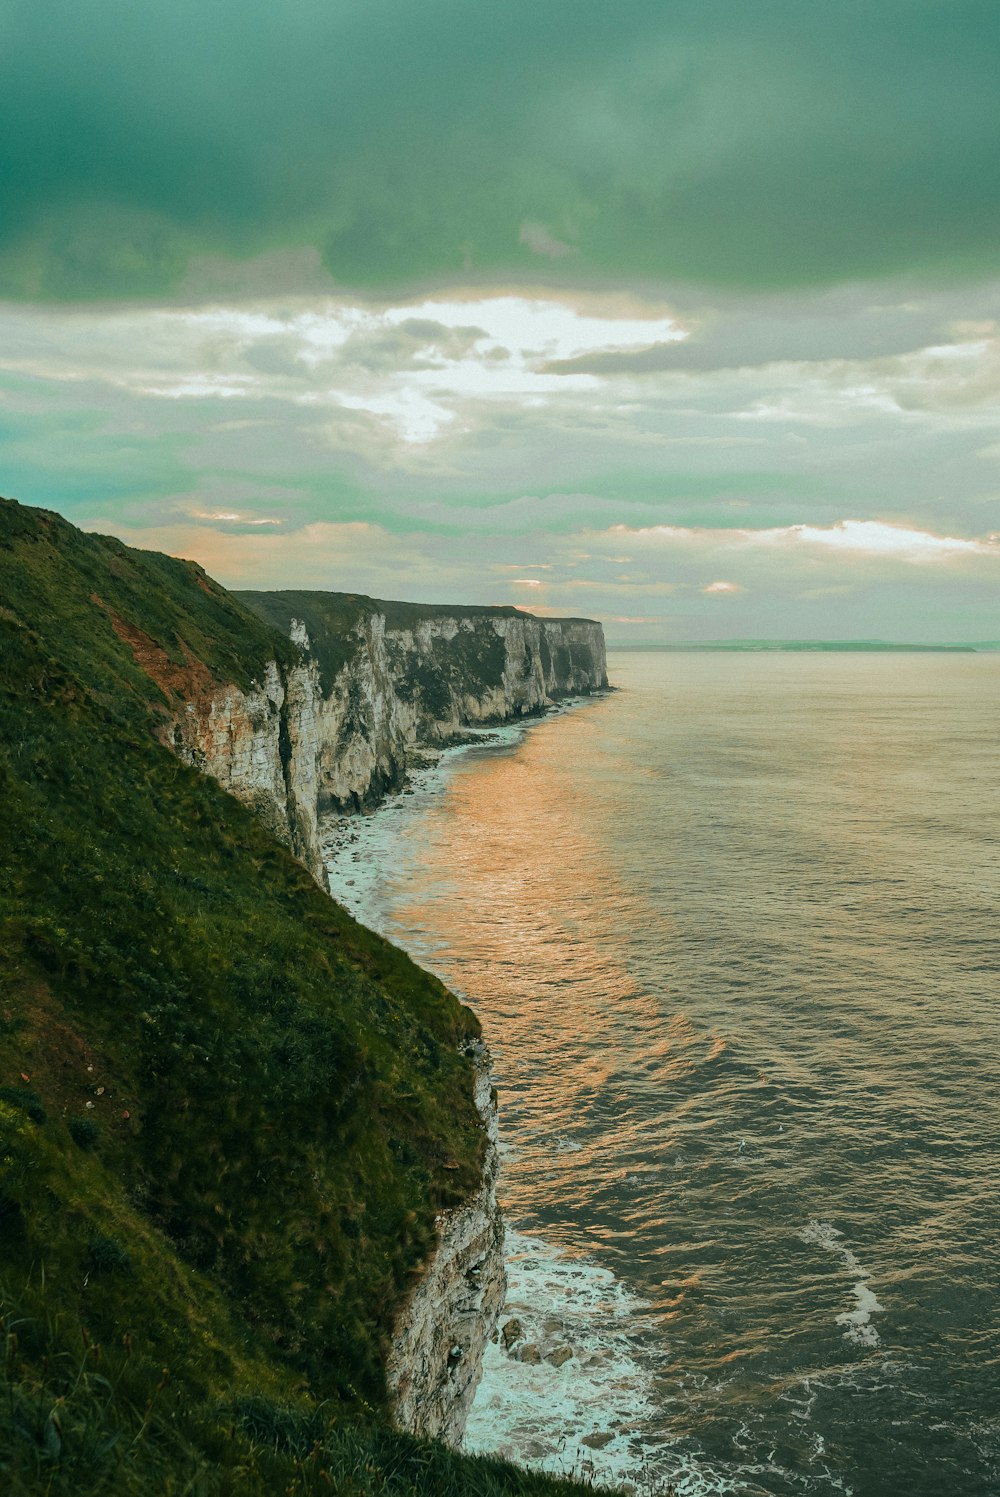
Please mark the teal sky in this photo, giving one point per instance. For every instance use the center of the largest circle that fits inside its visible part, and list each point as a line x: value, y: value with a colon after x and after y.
x: 681, y: 315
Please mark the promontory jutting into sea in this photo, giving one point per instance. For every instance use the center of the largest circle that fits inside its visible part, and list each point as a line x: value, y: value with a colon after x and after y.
x: 731, y: 932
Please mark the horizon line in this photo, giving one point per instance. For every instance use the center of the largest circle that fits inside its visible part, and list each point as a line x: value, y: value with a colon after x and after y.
x: 759, y: 644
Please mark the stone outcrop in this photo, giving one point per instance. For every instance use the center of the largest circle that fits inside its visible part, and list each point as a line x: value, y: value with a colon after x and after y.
x: 435, y: 1362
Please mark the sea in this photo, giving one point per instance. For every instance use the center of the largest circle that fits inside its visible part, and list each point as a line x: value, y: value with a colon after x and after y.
x: 733, y: 934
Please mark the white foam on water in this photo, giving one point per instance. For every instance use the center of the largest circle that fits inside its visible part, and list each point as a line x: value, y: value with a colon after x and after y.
x: 602, y: 1413
x: 574, y: 1392
x: 857, y: 1322
x: 360, y: 850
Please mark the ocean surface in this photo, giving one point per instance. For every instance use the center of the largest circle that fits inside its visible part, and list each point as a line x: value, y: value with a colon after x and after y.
x: 734, y: 938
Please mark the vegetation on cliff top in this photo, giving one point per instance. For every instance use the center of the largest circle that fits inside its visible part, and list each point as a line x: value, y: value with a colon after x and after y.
x: 332, y: 618
x: 228, y: 1114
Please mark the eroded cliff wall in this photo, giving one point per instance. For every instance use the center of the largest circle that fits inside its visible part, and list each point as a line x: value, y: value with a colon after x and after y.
x: 435, y: 1362
x: 99, y: 643
x: 396, y: 676
x: 261, y: 744
x: 373, y: 682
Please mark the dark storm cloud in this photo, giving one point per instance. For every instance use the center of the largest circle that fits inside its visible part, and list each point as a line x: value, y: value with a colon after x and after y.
x: 784, y: 143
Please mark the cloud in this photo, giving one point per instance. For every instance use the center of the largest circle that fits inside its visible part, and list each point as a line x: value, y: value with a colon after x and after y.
x: 233, y: 517
x: 538, y: 239
x: 687, y: 584
x: 867, y: 492
x: 873, y: 538
x: 416, y: 367
x: 711, y: 143
x: 845, y: 324
x: 414, y: 343
x: 852, y: 538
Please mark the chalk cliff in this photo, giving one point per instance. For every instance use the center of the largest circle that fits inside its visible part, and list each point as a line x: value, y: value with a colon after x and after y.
x: 373, y: 681
x: 261, y: 745
x: 435, y: 1362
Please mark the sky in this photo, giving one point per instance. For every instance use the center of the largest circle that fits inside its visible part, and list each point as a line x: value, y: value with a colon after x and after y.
x: 682, y: 316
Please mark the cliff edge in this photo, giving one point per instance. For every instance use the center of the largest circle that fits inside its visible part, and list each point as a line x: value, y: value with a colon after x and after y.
x: 334, y: 725
x: 336, y: 729
x: 435, y: 1360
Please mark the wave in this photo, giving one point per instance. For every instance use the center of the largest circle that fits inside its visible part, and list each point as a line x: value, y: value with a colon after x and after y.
x: 857, y: 1322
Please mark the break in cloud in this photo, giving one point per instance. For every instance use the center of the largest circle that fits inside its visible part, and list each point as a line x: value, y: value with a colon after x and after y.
x: 685, y: 317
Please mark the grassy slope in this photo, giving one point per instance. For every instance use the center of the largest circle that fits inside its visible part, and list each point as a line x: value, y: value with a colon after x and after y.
x: 227, y: 1112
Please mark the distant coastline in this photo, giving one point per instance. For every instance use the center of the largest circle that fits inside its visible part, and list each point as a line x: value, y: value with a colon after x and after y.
x: 758, y: 646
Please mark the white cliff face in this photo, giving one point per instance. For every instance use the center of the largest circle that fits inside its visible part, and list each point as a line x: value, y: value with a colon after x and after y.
x: 402, y: 688
x: 262, y: 746
x: 364, y: 732
x: 289, y: 748
x: 442, y: 1328
x: 454, y: 672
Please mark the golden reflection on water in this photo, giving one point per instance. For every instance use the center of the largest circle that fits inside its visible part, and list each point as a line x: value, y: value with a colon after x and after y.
x: 535, y: 868
x: 562, y: 1011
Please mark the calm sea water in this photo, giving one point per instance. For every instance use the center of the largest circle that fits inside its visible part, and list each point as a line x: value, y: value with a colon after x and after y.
x: 733, y: 935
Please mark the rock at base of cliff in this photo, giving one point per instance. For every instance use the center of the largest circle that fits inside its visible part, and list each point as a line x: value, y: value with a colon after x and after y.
x: 512, y: 1332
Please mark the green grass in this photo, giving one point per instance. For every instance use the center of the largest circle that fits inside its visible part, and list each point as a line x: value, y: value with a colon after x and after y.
x: 65, y: 586
x: 228, y: 1114
x: 81, y: 1416
x: 78, y: 1416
